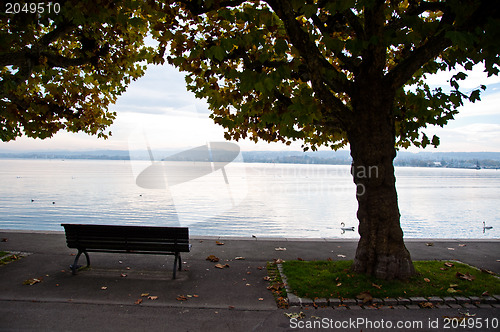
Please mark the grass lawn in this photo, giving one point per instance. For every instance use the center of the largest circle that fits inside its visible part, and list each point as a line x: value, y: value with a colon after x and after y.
x: 334, y: 279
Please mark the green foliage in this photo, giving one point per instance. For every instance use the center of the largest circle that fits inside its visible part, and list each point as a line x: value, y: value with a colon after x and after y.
x: 62, y: 70
x: 277, y: 72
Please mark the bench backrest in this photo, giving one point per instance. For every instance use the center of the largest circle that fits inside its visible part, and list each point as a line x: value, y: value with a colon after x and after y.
x: 133, y: 238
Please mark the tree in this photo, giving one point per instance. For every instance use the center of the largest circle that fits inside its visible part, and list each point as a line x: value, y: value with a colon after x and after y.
x: 321, y: 72
x: 337, y: 72
x: 63, y: 63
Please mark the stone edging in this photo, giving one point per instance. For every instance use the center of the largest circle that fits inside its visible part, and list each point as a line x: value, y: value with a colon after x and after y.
x: 456, y: 302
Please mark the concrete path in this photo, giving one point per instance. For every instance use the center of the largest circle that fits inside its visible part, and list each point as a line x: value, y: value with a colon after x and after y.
x: 111, y: 296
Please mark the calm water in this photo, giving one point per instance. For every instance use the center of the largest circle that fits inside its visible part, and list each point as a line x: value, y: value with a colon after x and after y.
x: 275, y: 200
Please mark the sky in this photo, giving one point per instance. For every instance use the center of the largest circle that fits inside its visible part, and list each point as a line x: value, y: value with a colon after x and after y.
x: 157, y: 110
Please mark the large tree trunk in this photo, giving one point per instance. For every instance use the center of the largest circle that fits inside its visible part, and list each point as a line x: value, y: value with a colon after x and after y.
x: 381, y: 250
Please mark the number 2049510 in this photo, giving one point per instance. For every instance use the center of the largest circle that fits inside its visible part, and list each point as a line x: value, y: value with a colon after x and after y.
x: 471, y: 323
x: 32, y: 8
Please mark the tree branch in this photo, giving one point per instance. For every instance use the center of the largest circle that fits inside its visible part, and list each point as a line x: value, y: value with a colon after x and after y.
x: 401, y: 73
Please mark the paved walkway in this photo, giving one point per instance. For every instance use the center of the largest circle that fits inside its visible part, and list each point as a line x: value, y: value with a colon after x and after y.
x: 112, y: 295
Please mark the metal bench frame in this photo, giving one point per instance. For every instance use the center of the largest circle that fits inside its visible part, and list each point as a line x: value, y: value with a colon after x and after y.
x: 127, y: 239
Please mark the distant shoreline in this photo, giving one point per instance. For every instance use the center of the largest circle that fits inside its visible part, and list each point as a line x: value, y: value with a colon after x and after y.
x: 462, y: 160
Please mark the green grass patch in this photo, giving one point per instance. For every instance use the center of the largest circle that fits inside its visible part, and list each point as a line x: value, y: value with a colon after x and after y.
x: 7, y: 257
x: 334, y: 279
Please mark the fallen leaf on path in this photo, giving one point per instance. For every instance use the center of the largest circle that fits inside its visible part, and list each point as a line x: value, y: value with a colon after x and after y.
x: 341, y: 256
x: 426, y: 305
x: 219, y: 243
x: 212, y: 258
x: 239, y: 258
x: 181, y: 298
x: 462, y: 245
x: 267, y: 278
x: 153, y: 297
x: 144, y: 294
x: 429, y: 244
x: 295, y: 315
x: 104, y: 287
x: 220, y: 266
x: 5, y: 239
x: 448, y: 264
x: 261, y: 299
x: 31, y: 282
x: 123, y: 275
x: 138, y: 301
x: 278, y: 261
x: 451, y: 248
x: 280, y: 249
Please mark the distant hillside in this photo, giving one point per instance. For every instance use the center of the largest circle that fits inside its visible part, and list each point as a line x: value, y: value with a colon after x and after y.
x: 404, y: 158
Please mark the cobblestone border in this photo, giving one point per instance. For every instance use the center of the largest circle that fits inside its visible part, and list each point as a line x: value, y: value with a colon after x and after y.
x: 455, y: 302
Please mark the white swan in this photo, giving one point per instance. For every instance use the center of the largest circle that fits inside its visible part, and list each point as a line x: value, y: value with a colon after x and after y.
x: 346, y: 228
x: 486, y: 227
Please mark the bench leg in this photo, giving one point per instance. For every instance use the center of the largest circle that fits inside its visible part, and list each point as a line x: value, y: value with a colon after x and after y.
x: 177, y: 259
x: 74, y: 267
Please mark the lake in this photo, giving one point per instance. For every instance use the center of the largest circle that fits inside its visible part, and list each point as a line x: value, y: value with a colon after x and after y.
x: 242, y: 199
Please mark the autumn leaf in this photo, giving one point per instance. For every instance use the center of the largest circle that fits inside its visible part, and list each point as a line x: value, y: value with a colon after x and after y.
x: 219, y: 243
x: 33, y: 281
x: 212, y: 258
x: 377, y: 286
x: 488, y: 271
x: 181, y: 298
x: 138, y: 301
x: 365, y: 297
x: 426, y: 305
x: 220, y: 266
x: 153, y: 297
x: 104, y: 287
x: 429, y: 244
x: 427, y: 280
x: 466, y: 276
x: 448, y: 264
x: 239, y: 258
x: 144, y: 294
x: 452, y: 290
x: 280, y: 249
x: 267, y: 278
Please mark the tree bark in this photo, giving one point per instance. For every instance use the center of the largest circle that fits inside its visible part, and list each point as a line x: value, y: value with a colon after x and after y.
x: 381, y: 250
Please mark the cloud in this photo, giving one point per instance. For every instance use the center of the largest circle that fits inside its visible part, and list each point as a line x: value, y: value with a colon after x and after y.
x: 475, y: 78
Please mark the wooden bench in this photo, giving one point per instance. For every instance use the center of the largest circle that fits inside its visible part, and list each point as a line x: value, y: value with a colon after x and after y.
x: 127, y: 239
